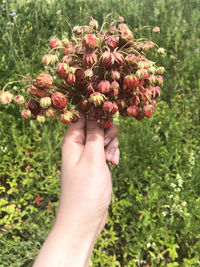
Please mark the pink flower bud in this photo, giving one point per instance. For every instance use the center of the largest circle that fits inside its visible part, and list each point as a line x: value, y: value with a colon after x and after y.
x: 6, y: 97
x: 26, y: 113
x: 19, y: 99
x: 156, y: 30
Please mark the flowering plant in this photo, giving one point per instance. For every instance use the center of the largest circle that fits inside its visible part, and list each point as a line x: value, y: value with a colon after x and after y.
x: 102, y: 71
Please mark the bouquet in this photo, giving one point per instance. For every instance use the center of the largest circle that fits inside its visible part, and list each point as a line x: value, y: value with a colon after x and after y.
x: 100, y: 70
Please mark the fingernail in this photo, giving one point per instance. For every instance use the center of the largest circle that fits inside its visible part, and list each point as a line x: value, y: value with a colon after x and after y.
x: 107, y: 141
x: 116, y: 159
x: 111, y: 153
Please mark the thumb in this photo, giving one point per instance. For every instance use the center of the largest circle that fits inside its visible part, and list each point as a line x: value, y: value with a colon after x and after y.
x: 94, y: 146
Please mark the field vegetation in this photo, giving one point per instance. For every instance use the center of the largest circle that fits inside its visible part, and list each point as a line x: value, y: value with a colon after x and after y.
x: 154, y: 219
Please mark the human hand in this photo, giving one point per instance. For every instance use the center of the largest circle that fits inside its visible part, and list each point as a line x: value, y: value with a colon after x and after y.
x: 86, y: 190
x: 86, y: 185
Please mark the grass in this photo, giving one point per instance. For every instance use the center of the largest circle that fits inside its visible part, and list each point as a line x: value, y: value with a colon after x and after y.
x: 155, y: 216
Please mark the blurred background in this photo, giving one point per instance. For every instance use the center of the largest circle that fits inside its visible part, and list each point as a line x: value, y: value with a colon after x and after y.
x: 154, y: 219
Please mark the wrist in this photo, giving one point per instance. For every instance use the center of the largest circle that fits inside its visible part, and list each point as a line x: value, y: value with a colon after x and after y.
x: 66, y: 247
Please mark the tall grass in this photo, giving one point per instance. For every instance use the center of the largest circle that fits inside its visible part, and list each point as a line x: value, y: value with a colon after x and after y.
x: 155, y: 216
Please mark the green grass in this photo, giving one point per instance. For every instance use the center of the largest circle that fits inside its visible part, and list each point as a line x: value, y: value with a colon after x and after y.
x: 155, y: 216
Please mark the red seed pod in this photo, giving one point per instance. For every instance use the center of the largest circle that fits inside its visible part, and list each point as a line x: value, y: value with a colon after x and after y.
x: 114, y: 85
x: 141, y: 74
x: 147, y: 46
x: 55, y: 43
x: 88, y: 29
x: 62, y: 70
x: 67, y: 60
x: 112, y: 30
x: 123, y: 27
x: 132, y: 111
x: 115, y: 74
x: 96, y: 98
x: 140, y: 116
x: 107, y: 59
x: 39, y: 92
x: 113, y: 93
x: 156, y: 91
x: 59, y: 100
x: 148, y: 111
x: 118, y: 59
x: 70, y: 78
x: 151, y: 78
x: 50, y: 113
x: 89, y: 73
x: 126, y: 36
x: 77, y: 30
x: 112, y: 42
x: 105, y: 124
x: 89, y: 58
x: 44, y: 80
x: 146, y: 96
x: 159, y: 80
x: 135, y: 100
x: 90, y: 41
x: 75, y: 114
x: 114, y: 108
x: 132, y: 59
x: 79, y: 50
x: 69, y: 49
x: 66, y: 117
x: 121, y: 103
x: 107, y: 106
x: 80, y: 76
x: 96, y: 113
x: 90, y: 88
x: 49, y: 59
x: 84, y: 104
x: 34, y: 106
x: 94, y: 24
x: 130, y: 82
x: 104, y: 87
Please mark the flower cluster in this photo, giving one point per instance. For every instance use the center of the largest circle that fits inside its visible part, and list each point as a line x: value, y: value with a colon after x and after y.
x: 102, y: 71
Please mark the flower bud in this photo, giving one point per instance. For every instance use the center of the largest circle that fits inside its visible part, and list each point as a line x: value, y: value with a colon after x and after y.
x: 45, y: 102
x: 6, y: 97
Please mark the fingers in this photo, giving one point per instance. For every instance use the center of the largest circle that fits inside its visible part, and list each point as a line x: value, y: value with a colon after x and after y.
x: 94, y: 145
x: 74, y: 140
x: 112, y: 152
x: 111, y: 143
x: 110, y: 134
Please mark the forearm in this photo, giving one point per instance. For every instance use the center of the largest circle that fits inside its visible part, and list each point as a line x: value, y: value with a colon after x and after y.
x: 65, y: 247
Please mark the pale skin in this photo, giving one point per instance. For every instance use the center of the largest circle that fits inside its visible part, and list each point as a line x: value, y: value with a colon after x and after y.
x: 86, y: 190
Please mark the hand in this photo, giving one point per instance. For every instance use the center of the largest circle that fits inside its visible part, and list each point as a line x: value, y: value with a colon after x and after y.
x: 86, y: 185
x: 86, y: 190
